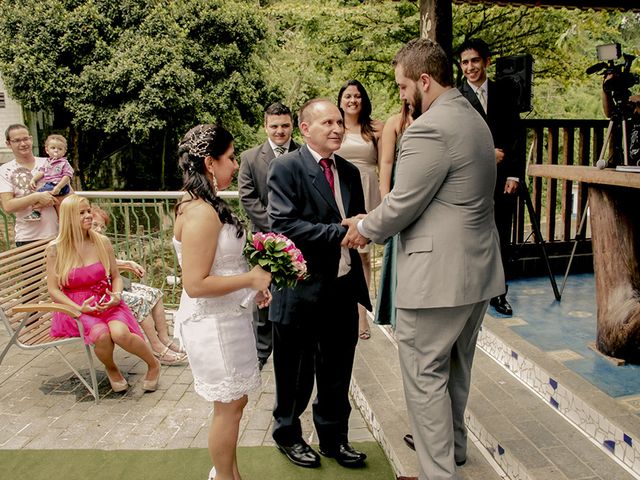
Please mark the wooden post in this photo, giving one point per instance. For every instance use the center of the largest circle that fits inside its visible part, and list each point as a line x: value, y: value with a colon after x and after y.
x: 615, y: 237
x: 436, y: 23
x: 615, y: 232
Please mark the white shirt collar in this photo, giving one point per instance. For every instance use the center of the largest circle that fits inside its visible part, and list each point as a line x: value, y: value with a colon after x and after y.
x: 317, y: 157
x: 484, y: 87
x: 286, y: 145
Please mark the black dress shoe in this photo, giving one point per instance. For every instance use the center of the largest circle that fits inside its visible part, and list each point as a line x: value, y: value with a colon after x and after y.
x: 501, y: 305
x: 301, y: 454
x: 408, y: 439
x: 345, y: 455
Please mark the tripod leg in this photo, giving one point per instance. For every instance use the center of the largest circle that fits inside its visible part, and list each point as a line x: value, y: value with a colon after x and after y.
x: 625, y: 145
x: 579, y: 236
x: 602, y: 162
x: 524, y: 192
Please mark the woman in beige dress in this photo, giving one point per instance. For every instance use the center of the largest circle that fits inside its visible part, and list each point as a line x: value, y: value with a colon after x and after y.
x: 360, y: 147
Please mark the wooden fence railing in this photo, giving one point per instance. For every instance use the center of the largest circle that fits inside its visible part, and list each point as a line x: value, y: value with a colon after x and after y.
x: 560, y: 204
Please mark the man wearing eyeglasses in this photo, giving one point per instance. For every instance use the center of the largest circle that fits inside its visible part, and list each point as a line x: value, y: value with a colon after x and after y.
x: 15, y: 194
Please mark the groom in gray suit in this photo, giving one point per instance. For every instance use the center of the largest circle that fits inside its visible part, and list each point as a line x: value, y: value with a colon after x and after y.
x: 448, y: 254
x: 252, y: 188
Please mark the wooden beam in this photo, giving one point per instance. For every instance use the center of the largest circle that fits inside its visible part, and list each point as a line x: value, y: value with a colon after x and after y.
x: 621, y: 5
x: 436, y: 23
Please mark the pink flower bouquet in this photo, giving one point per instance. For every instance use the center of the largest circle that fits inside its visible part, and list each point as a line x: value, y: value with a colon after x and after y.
x: 278, y: 255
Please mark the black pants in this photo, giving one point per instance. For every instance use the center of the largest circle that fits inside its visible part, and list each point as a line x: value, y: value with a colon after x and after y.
x: 505, y: 207
x: 321, y: 346
x: 26, y: 242
x: 264, y: 333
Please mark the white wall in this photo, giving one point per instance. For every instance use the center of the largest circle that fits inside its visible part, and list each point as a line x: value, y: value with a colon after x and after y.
x: 11, y: 113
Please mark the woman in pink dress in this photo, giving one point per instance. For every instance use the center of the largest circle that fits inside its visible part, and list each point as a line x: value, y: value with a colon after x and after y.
x: 82, y: 274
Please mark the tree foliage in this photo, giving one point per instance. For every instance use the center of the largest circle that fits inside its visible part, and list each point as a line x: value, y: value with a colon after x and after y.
x: 133, y: 75
x: 318, y: 45
x: 322, y: 43
x: 134, y: 70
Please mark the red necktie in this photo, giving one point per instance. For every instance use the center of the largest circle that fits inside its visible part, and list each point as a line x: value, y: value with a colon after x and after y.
x: 325, y: 163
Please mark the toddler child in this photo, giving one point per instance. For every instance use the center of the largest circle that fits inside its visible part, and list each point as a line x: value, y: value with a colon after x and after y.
x: 56, y: 172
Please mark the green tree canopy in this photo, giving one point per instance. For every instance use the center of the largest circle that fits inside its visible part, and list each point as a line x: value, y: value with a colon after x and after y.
x: 131, y: 76
x: 135, y: 71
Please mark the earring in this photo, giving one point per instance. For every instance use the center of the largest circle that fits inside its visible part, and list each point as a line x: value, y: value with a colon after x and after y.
x: 215, y: 183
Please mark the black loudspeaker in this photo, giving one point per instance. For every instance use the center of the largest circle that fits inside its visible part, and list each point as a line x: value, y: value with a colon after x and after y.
x: 517, y: 70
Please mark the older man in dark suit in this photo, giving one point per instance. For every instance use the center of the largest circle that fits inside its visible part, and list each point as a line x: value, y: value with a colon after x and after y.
x: 497, y: 104
x: 315, y: 324
x: 252, y: 187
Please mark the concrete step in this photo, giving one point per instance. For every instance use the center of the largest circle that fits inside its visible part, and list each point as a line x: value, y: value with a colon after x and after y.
x: 577, y: 430
x: 519, y: 434
x: 526, y: 435
x: 377, y: 391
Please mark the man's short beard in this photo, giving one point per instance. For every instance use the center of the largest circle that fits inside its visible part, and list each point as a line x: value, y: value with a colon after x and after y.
x: 417, y: 104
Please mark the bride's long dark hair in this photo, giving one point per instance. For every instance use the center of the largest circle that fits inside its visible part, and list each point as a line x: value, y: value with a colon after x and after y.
x: 198, y: 143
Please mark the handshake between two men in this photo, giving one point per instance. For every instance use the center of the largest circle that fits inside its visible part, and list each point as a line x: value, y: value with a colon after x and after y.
x: 353, y: 238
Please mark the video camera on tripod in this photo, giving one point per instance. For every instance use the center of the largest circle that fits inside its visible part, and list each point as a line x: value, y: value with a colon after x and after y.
x: 621, y: 77
x: 618, y: 81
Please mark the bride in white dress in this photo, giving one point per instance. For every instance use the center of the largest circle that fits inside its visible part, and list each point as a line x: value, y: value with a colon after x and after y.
x: 214, y: 328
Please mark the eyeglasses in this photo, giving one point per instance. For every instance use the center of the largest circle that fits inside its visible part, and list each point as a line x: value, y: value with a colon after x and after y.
x: 17, y: 141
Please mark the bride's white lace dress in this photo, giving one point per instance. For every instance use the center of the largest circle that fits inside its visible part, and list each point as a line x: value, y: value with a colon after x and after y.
x: 217, y: 332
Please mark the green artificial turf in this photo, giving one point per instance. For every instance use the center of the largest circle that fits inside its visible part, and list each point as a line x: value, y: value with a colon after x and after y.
x: 256, y: 463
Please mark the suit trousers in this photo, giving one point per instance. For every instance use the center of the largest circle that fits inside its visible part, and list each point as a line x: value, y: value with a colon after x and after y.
x: 322, y: 345
x: 436, y: 347
x: 505, y: 208
x: 264, y: 333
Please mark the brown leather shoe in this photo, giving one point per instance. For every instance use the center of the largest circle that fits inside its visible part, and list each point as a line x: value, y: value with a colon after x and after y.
x: 407, y: 478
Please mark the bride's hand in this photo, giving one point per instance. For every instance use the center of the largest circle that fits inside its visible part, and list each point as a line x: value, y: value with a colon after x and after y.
x: 263, y: 298
x: 260, y: 279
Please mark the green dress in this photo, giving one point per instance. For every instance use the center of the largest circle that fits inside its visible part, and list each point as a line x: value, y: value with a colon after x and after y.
x: 386, y: 300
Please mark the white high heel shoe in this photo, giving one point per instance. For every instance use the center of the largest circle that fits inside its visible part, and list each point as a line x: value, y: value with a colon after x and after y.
x: 212, y: 474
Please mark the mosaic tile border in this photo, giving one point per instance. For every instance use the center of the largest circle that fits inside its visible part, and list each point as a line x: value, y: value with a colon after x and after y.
x: 511, y: 467
x: 612, y: 439
x: 361, y: 403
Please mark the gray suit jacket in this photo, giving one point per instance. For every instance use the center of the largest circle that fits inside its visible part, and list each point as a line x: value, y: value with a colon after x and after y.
x: 252, y: 183
x: 442, y: 206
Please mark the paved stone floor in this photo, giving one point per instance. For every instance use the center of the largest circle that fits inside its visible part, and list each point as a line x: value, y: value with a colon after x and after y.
x: 42, y: 405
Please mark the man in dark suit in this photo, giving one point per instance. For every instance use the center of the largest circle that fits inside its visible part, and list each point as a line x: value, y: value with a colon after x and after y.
x: 252, y: 187
x: 315, y: 324
x: 497, y: 105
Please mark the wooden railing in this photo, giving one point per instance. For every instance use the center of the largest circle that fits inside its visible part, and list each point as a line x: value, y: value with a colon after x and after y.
x: 560, y: 204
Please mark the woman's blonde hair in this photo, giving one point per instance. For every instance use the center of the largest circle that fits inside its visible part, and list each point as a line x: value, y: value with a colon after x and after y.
x: 70, y: 238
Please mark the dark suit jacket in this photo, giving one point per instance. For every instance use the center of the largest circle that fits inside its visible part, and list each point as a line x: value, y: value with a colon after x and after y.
x: 503, y: 119
x: 302, y: 207
x: 252, y: 183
